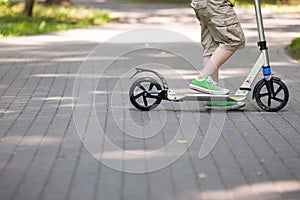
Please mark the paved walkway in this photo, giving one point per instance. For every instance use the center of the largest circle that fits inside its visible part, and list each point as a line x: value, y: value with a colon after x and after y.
x: 52, y: 98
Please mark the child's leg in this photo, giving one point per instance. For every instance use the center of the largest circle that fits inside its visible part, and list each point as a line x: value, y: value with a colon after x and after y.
x: 215, y: 75
x: 212, y: 64
x: 221, y: 36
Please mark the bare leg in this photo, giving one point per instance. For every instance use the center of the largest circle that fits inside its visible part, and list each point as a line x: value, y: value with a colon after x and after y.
x: 212, y: 65
x: 215, y: 75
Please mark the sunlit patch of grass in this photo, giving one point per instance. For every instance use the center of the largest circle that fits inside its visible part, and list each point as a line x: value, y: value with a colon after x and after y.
x: 46, y: 19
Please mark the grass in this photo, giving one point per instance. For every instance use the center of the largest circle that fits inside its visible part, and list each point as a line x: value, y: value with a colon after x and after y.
x: 294, y: 49
x: 46, y: 19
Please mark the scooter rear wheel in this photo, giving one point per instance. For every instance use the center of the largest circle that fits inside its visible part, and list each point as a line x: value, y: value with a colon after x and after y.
x: 144, y: 94
x: 265, y: 99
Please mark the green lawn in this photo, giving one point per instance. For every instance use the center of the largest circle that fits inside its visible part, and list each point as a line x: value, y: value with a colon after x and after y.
x: 46, y: 19
x: 294, y: 49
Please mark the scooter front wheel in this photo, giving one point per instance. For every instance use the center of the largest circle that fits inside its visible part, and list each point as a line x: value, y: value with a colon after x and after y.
x: 271, y: 95
x: 144, y: 94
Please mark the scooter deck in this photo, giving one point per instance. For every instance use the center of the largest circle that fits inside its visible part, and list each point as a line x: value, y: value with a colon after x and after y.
x: 205, y: 97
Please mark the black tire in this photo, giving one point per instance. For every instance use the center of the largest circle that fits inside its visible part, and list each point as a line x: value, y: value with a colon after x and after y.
x: 264, y: 98
x: 139, y: 96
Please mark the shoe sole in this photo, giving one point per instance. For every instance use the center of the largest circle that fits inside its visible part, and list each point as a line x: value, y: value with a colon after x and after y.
x: 207, y: 91
x: 235, y: 107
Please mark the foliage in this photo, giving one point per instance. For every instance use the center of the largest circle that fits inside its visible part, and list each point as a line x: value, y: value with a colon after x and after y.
x: 294, y: 49
x: 46, y: 19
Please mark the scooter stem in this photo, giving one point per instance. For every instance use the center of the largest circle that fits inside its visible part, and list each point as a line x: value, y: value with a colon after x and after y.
x: 262, y: 41
x: 259, y: 21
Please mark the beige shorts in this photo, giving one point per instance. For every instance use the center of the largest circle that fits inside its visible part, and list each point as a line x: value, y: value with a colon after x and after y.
x: 220, y: 27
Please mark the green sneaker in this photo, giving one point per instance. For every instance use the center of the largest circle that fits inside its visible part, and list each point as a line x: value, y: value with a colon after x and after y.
x: 224, y: 105
x: 208, y: 86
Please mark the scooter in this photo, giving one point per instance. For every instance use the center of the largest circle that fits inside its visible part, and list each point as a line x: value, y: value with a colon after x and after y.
x: 270, y: 93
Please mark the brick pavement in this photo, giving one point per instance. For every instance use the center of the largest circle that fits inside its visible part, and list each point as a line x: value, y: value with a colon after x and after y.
x: 41, y: 156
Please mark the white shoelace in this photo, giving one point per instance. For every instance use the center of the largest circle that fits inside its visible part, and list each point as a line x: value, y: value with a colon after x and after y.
x: 210, y: 80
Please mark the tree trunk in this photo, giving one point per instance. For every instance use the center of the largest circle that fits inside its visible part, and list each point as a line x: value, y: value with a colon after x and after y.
x: 28, y: 8
x: 58, y: 2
